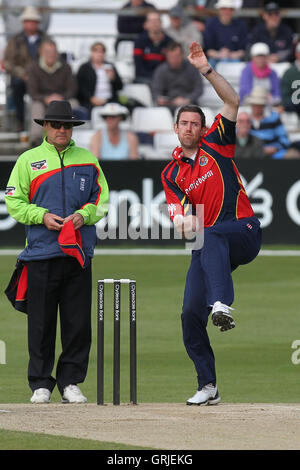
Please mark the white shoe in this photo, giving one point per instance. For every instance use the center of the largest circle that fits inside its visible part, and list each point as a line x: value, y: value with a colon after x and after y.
x: 208, y: 395
x: 41, y: 395
x: 221, y: 316
x: 72, y: 394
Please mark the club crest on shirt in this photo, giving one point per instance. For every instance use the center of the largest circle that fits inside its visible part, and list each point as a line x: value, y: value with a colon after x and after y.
x: 203, y: 160
x: 41, y: 165
x: 10, y: 190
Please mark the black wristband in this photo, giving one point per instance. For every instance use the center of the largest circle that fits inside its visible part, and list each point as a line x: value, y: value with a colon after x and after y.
x: 208, y: 72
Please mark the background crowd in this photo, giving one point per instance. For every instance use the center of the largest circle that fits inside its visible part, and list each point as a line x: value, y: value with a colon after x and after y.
x: 37, y: 69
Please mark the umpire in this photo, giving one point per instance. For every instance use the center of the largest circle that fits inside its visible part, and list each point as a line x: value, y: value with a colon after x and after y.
x: 58, y: 191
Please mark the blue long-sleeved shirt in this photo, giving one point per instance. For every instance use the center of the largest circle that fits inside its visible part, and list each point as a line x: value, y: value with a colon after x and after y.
x: 272, y: 132
x: 218, y: 35
x: 281, y: 43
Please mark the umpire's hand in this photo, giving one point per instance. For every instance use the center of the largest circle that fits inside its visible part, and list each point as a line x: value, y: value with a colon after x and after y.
x: 53, y: 221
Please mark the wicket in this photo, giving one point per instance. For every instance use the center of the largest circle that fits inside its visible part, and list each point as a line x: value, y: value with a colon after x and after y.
x: 116, y: 340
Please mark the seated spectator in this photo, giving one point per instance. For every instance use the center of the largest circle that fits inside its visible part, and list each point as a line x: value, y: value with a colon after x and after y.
x: 149, y: 48
x: 247, y: 145
x: 182, y: 30
x: 113, y: 143
x: 275, y: 33
x: 224, y: 35
x: 291, y: 77
x: 258, y: 73
x: 21, y: 49
x: 11, y: 18
x: 130, y: 26
x: 266, y: 124
x: 49, y: 79
x: 98, y: 80
x: 176, y: 82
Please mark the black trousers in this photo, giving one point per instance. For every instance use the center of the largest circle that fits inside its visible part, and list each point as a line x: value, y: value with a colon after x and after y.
x: 58, y: 283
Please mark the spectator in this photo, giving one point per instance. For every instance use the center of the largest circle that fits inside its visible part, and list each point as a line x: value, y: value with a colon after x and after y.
x: 113, y: 143
x: 130, y: 26
x: 49, y: 79
x: 149, y: 48
x: 11, y: 17
x: 247, y: 145
x: 290, y: 85
x: 21, y: 49
x: 176, y: 82
x: 224, y: 35
x: 98, y: 80
x: 182, y: 30
x: 275, y: 33
x: 266, y: 124
x: 258, y: 73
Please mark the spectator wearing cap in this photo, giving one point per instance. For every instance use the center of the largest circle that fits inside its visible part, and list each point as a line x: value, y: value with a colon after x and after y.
x: 247, y: 145
x: 112, y: 142
x: 290, y: 85
x: 20, y: 51
x: 176, y: 82
x: 274, y: 32
x: 258, y: 73
x: 266, y: 124
x: 182, y: 30
x: 224, y: 35
x: 149, y: 48
x: 98, y: 80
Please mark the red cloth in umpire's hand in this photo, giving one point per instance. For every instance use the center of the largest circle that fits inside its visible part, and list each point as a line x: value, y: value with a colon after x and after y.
x: 70, y: 242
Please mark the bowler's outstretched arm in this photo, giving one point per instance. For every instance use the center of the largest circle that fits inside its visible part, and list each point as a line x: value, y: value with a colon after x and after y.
x: 224, y: 90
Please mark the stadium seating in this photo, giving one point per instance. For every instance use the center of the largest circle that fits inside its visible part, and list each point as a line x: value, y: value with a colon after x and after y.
x: 231, y: 71
x: 139, y: 91
x: 82, y: 137
x: 280, y: 68
x: 125, y: 70
x: 125, y: 51
x: 290, y: 121
x: 164, y: 144
x: 2, y: 88
x: 152, y: 119
x: 294, y: 136
x: 209, y: 97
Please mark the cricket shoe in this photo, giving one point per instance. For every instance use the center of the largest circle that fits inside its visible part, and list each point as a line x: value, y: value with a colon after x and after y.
x: 41, y: 395
x: 208, y: 395
x: 73, y: 394
x: 221, y: 316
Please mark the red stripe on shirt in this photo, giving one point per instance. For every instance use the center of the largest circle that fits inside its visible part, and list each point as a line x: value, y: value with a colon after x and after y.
x: 153, y: 56
x: 36, y: 183
x: 138, y: 51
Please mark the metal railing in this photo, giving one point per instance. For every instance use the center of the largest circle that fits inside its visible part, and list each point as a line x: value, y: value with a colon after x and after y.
x: 203, y: 13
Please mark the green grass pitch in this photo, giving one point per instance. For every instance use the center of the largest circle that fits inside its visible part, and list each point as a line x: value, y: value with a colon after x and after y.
x: 253, y: 361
